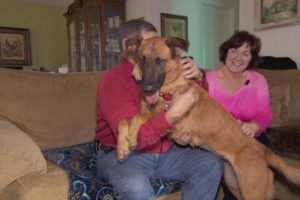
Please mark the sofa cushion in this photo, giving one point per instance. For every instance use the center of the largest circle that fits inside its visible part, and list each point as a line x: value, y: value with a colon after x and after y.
x: 280, y: 100
x: 286, y: 140
x: 80, y: 163
x: 55, y: 110
x: 292, y: 78
x: 19, y: 154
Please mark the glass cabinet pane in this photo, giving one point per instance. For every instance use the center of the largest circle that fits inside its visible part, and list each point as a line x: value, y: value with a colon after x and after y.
x: 93, y: 27
x: 112, y: 24
x: 95, y: 41
x: 73, y: 54
x: 82, y: 44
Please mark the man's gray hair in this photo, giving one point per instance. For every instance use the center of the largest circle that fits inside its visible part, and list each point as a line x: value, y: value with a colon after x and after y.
x: 135, y: 27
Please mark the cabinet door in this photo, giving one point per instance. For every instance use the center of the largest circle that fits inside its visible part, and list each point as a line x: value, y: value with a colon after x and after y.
x: 113, y: 18
x: 83, y: 63
x: 94, y: 38
x: 72, y: 47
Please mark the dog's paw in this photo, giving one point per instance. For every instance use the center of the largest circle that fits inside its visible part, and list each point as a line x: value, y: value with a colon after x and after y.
x: 132, y: 139
x: 132, y: 144
x: 122, y: 153
x: 123, y: 149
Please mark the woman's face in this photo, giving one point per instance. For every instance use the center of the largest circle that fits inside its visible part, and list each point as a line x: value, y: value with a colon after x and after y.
x: 237, y: 60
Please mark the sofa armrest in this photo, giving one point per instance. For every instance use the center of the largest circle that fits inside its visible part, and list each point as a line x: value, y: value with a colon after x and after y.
x: 49, y: 186
x: 19, y: 154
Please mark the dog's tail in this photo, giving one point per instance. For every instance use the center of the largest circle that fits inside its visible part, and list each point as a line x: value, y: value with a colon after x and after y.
x: 277, y: 163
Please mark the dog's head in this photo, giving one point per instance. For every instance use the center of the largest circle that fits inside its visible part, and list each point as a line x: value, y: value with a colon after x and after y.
x: 157, y: 62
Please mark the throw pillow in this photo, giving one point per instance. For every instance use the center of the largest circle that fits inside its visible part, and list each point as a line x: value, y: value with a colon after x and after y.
x: 19, y: 154
x: 280, y: 100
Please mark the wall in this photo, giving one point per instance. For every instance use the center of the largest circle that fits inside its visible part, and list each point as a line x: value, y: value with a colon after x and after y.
x: 47, y: 29
x: 281, y: 41
x: 203, y: 43
x: 151, y: 9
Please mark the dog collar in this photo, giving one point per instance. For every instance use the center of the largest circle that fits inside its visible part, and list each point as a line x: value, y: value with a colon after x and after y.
x: 168, y: 97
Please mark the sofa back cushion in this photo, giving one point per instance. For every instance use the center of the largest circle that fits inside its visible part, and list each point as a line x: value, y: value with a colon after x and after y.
x: 286, y: 79
x: 280, y: 103
x: 54, y: 109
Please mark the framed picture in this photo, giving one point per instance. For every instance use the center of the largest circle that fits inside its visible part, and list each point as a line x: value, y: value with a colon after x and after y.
x: 14, y: 46
x: 273, y: 13
x: 174, y: 26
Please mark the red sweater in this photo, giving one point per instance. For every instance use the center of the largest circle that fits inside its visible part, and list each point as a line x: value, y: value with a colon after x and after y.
x: 118, y: 97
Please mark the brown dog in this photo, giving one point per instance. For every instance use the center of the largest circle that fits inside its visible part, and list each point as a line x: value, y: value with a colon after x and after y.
x: 248, y: 176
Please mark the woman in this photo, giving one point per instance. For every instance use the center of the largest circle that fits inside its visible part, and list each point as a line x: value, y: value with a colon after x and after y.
x: 239, y: 89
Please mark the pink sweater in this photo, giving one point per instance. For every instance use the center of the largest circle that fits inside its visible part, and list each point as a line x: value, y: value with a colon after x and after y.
x: 250, y: 103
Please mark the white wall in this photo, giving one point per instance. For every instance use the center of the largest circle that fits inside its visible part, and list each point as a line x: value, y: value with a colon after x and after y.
x: 283, y: 41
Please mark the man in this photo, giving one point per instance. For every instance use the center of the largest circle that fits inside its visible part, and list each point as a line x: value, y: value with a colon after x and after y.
x: 118, y: 97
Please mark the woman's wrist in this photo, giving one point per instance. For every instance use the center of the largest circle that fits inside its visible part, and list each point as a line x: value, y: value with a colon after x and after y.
x: 202, y: 75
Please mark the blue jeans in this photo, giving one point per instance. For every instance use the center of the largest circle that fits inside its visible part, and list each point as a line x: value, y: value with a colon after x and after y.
x: 200, y: 170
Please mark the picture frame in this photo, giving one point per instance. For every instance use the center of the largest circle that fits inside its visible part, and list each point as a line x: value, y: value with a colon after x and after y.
x: 273, y: 13
x: 174, y: 25
x: 15, y: 46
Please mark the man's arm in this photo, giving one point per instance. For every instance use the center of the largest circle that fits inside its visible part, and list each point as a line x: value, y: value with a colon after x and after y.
x: 117, y: 101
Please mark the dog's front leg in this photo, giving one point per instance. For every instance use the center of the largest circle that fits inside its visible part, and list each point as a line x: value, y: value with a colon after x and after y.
x: 128, y: 130
x: 134, y: 127
x: 122, y: 141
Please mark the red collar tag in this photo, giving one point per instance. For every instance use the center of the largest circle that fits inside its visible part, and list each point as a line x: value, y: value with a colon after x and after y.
x: 166, y: 96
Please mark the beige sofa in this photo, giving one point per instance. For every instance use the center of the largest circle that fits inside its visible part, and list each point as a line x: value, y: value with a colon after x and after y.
x: 40, y: 111
x: 285, y: 128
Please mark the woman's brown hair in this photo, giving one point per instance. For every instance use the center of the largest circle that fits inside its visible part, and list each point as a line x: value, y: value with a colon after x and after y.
x: 236, y: 41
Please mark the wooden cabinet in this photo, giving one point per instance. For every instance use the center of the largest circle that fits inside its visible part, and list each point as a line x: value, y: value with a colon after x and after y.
x: 92, y: 27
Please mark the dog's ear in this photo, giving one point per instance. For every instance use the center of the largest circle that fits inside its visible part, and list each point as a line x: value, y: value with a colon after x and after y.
x: 177, y: 45
x: 131, y: 45
x: 133, y: 42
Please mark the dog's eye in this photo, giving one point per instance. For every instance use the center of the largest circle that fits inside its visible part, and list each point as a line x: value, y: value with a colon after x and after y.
x: 160, y: 61
x: 142, y: 60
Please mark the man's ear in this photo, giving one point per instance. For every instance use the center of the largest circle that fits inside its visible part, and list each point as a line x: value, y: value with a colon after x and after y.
x: 177, y: 46
x: 131, y: 45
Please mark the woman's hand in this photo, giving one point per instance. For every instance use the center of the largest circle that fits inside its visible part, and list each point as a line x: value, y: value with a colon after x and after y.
x: 249, y: 129
x: 190, y: 69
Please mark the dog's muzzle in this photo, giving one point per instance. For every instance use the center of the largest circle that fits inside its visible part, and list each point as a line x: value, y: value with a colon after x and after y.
x: 147, y: 88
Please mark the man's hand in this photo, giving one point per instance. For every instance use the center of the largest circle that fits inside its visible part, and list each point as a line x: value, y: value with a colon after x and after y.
x: 181, y: 104
x: 183, y: 139
x: 190, y: 69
